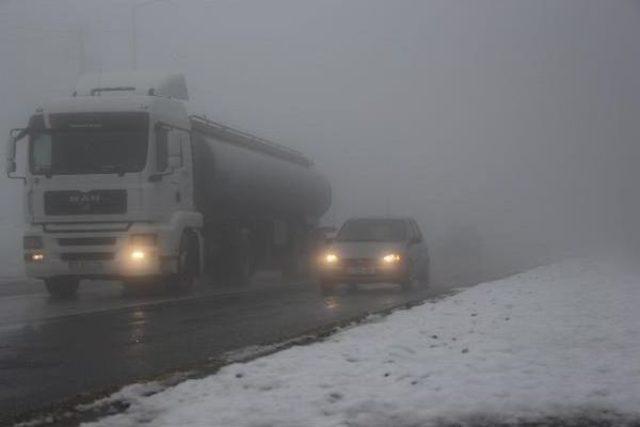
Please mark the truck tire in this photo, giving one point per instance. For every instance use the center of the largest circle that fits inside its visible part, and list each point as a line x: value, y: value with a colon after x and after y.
x: 243, y: 270
x: 187, y: 268
x: 62, y: 287
x: 242, y: 262
x: 327, y: 288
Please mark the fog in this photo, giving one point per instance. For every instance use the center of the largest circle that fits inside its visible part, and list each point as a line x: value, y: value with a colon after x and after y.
x: 509, y: 129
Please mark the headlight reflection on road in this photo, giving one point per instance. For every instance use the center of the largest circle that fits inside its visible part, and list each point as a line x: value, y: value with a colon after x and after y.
x: 331, y: 303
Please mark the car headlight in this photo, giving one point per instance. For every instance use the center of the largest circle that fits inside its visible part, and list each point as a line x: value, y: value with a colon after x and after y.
x: 331, y: 258
x: 147, y: 239
x: 391, y: 258
x: 34, y: 257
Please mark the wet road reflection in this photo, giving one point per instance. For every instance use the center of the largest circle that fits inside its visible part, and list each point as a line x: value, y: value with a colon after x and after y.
x: 51, y: 350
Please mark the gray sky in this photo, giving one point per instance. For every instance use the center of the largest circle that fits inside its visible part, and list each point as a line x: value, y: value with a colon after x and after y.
x: 516, y: 122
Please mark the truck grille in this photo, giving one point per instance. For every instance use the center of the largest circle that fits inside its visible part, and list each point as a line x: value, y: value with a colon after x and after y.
x: 87, y: 256
x: 360, y: 262
x: 87, y: 241
x: 104, y: 202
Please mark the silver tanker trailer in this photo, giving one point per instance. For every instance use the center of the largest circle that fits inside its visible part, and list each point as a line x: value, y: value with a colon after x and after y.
x: 121, y: 182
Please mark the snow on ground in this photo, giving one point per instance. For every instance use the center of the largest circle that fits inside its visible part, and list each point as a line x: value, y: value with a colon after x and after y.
x: 559, y: 341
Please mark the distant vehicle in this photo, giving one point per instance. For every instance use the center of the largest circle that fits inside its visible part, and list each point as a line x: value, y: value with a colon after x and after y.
x: 122, y: 183
x: 376, y: 250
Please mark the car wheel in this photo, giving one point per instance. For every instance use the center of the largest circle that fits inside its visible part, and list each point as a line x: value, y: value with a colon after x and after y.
x: 408, y: 284
x: 425, y: 280
x: 62, y: 287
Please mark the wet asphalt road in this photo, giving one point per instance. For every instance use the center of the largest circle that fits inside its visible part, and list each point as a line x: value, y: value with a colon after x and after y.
x: 53, y: 350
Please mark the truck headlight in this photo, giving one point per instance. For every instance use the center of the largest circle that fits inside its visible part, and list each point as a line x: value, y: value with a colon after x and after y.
x: 138, y: 255
x: 331, y: 258
x: 144, y: 240
x: 391, y: 258
x: 32, y: 242
x: 34, y: 257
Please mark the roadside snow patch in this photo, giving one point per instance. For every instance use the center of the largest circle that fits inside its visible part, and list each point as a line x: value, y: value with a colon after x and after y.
x: 559, y: 342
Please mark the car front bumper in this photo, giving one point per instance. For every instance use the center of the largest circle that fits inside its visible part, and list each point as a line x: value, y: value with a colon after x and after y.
x: 369, y: 274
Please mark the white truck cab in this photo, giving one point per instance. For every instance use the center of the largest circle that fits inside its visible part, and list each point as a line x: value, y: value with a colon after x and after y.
x: 108, y: 186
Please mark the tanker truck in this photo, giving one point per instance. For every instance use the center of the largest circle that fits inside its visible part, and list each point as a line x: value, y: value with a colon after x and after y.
x: 122, y: 183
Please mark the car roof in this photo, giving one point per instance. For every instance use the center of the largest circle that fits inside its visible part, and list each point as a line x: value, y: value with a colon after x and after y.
x: 381, y: 218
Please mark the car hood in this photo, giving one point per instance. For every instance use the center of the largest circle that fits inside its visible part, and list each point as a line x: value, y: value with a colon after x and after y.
x: 366, y: 249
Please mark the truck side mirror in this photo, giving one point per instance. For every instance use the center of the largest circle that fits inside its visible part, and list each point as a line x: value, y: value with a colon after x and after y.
x: 10, y: 167
x: 10, y: 155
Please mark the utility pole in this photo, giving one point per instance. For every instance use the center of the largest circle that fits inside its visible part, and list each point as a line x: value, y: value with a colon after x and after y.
x: 82, y: 53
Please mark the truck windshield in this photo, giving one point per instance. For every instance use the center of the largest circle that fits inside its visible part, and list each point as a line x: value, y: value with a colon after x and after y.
x: 89, y: 143
x: 373, y: 230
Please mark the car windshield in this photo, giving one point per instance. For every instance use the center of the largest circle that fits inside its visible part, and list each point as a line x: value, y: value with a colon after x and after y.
x: 89, y: 144
x: 373, y: 230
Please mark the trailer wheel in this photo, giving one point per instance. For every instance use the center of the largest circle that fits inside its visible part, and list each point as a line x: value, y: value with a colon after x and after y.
x: 187, y: 269
x: 242, y: 262
x: 243, y: 269
x: 62, y: 287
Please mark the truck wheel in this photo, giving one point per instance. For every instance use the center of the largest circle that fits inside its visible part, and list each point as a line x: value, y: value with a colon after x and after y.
x: 243, y: 264
x: 244, y: 270
x: 183, y: 279
x: 327, y: 288
x: 62, y: 287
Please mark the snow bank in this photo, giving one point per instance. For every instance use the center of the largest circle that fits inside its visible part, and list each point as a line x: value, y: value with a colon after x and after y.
x: 559, y: 341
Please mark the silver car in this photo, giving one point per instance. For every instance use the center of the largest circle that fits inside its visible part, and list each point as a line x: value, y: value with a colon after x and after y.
x: 376, y: 250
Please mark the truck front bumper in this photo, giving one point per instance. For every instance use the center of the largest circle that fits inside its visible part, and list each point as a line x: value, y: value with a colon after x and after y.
x: 107, y: 255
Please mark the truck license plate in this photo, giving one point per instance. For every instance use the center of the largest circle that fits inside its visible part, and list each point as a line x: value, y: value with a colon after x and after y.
x: 361, y: 270
x: 85, y: 266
